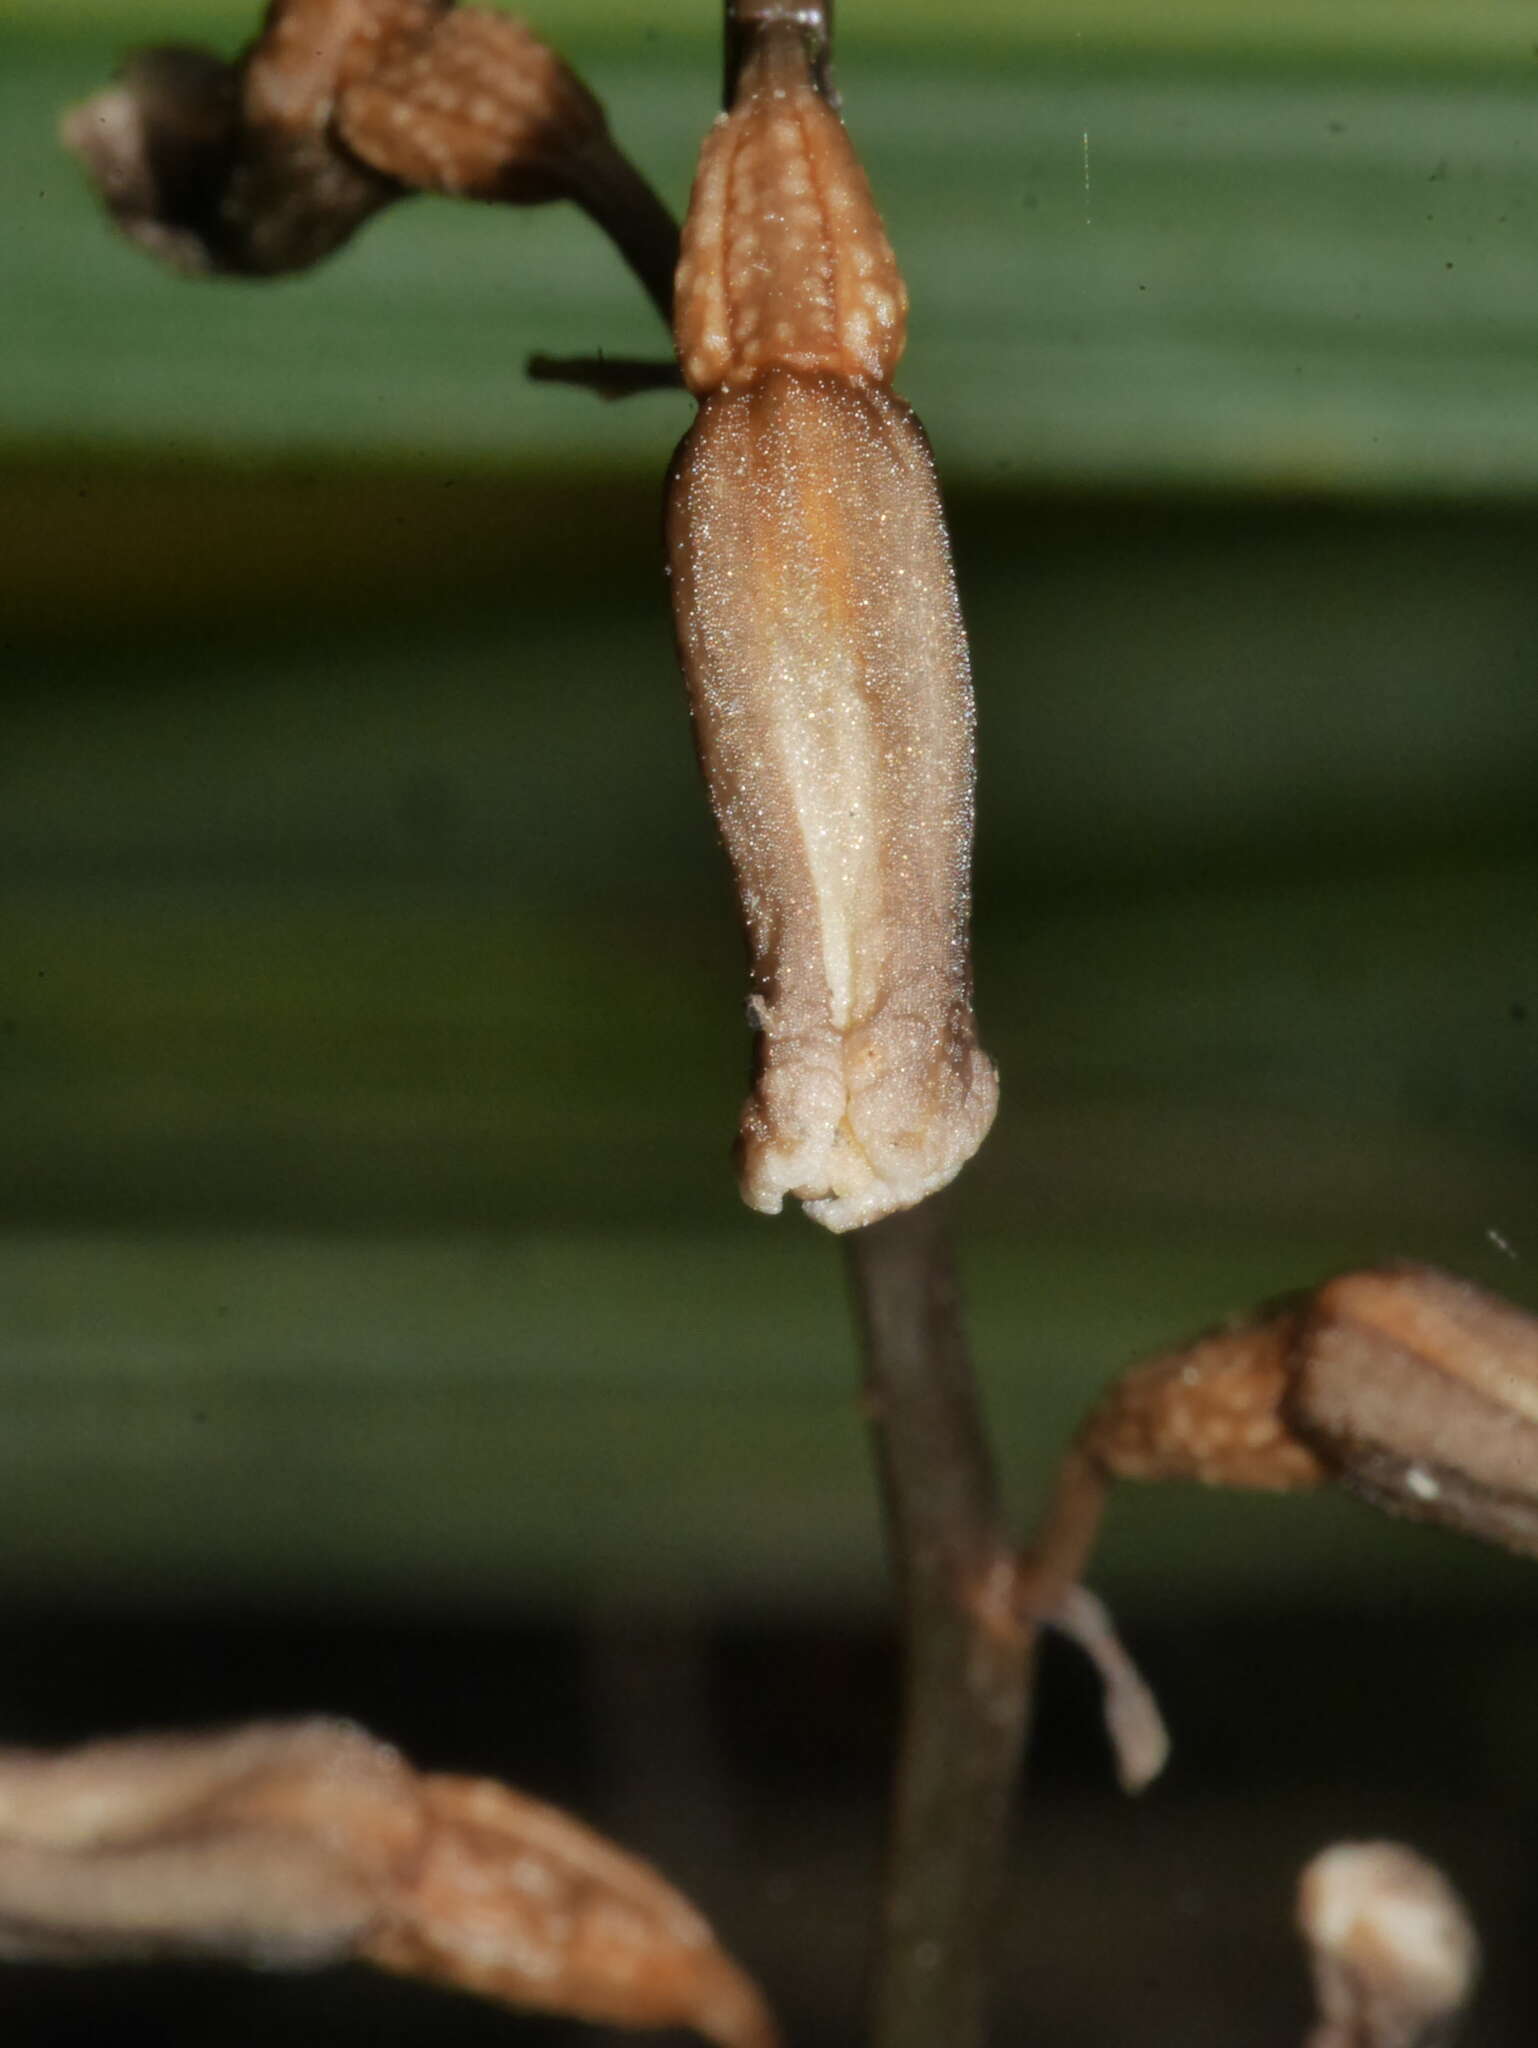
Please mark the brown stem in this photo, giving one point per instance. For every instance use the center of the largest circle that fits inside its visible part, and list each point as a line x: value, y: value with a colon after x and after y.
x: 746, y: 19
x: 1067, y: 1533
x: 614, y: 194
x: 967, y: 1656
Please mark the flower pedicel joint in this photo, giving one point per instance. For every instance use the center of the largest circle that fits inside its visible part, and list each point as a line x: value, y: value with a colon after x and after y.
x: 823, y: 648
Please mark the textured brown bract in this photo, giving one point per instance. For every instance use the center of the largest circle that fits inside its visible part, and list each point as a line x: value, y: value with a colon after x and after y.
x: 785, y: 263
x: 518, y: 1902
x: 823, y: 647
x: 295, y: 1843
x: 1211, y: 1411
x: 337, y: 109
x: 480, y: 109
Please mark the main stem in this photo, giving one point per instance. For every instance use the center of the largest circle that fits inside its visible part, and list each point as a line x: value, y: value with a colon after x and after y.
x: 967, y: 1660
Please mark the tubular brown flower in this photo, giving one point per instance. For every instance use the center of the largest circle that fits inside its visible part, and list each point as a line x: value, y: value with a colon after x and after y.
x: 823, y: 647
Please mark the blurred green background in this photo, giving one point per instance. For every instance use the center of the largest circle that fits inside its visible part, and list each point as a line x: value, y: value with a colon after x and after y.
x: 370, y: 1005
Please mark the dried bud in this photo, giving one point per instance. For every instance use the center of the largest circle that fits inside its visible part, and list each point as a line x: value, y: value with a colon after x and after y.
x: 822, y: 643
x: 338, y: 108
x: 1413, y: 1389
x: 1420, y: 1391
x: 278, y: 192
x: 294, y: 1843
x: 1392, y: 1947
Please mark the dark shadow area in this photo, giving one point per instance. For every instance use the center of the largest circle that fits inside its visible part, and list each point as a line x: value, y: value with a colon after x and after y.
x: 749, y: 1761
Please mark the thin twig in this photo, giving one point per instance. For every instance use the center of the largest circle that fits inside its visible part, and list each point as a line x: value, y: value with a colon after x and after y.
x: 606, y: 376
x: 620, y: 200
x: 967, y: 1653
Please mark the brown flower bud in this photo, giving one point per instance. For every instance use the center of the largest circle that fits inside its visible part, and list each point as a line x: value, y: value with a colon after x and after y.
x: 823, y: 648
x: 1393, y: 1951
x: 337, y: 109
x: 1420, y: 1391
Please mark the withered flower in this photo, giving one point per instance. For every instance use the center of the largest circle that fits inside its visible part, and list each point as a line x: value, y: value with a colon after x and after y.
x: 1391, y: 1945
x: 337, y: 109
x: 291, y: 1844
x: 1420, y: 1391
x: 823, y: 648
x: 1415, y: 1390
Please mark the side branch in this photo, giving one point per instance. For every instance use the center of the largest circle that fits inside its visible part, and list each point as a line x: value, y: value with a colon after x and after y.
x: 968, y: 1656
